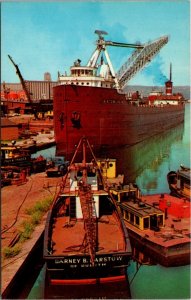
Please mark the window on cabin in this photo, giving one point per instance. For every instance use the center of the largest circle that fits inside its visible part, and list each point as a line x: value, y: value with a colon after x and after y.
x: 131, y: 217
x: 137, y: 220
x: 126, y: 215
x: 121, y: 197
x: 115, y: 197
x: 146, y: 223
x: 132, y: 195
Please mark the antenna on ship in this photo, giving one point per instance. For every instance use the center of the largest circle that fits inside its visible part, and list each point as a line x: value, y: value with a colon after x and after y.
x: 100, y: 33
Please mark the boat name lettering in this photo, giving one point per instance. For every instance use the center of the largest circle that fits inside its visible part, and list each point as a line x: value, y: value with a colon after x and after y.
x: 85, y: 260
x: 16, y: 159
x: 112, y: 101
x: 68, y: 261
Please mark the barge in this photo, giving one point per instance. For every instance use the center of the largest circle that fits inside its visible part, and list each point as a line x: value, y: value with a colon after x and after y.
x: 85, y: 240
x: 158, y: 225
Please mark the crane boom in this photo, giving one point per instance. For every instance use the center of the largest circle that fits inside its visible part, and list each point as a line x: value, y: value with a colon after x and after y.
x: 21, y: 79
x: 139, y: 59
x: 126, y: 45
x: 101, y: 46
x: 142, y: 55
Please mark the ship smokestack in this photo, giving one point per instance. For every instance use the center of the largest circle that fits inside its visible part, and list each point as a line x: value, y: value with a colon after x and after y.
x: 169, y: 84
x: 170, y: 71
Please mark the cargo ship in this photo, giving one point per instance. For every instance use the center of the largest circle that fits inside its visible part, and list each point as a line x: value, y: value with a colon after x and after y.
x: 91, y: 101
x: 85, y: 240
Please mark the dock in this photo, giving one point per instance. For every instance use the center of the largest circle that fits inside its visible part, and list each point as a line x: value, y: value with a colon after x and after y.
x: 15, y: 200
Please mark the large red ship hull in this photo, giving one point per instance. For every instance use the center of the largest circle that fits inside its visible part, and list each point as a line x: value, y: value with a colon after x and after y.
x: 106, y: 118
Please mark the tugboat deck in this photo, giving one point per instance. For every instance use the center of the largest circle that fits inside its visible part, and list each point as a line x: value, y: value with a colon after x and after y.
x: 68, y: 237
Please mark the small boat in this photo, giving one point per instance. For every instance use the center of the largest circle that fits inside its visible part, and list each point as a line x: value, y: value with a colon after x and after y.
x: 158, y: 225
x: 13, y: 175
x: 179, y: 182
x: 13, y: 155
x: 85, y: 240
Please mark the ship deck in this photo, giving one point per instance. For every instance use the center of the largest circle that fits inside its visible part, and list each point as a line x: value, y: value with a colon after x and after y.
x: 68, y: 237
x: 177, y: 230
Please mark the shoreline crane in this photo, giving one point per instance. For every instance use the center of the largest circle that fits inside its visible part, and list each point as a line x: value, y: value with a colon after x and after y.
x: 36, y: 105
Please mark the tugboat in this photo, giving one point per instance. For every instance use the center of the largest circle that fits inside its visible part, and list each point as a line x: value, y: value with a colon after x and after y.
x: 85, y: 240
x: 12, y: 155
x: 179, y: 182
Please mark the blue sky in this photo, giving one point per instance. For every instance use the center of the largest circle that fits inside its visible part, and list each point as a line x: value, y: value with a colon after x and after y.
x: 49, y: 36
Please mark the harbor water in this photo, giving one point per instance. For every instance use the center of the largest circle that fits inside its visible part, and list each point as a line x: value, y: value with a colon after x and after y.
x: 147, y: 164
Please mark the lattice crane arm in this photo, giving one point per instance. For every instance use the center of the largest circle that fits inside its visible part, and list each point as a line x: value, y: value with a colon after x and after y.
x: 139, y: 59
x: 142, y: 55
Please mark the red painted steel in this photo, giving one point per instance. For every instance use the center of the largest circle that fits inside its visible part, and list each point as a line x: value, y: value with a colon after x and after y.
x: 106, y: 118
x: 87, y: 281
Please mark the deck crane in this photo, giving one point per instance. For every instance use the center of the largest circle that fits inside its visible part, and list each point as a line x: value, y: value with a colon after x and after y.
x: 139, y: 59
x: 25, y: 88
x: 141, y: 56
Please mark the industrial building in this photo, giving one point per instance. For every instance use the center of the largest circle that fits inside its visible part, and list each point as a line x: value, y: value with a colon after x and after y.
x: 15, y: 100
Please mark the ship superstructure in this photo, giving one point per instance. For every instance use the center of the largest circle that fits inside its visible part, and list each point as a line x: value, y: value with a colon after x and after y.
x: 99, y: 71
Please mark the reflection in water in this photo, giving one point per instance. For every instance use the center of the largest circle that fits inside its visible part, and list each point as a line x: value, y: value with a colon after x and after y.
x: 149, y: 154
x: 147, y: 164
x: 117, y: 290
x: 141, y: 258
x: 41, y: 290
x: 158, y: 282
